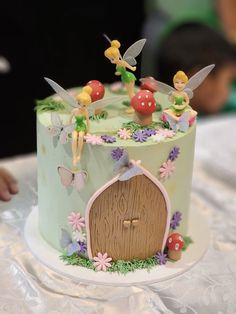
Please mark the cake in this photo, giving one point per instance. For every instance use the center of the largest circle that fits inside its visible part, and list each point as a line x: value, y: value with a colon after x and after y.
x: 114, y: 186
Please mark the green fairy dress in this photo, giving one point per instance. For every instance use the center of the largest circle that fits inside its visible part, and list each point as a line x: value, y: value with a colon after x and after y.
x: 126, y: 76
x: 80, y: 125
x: 178, y: 101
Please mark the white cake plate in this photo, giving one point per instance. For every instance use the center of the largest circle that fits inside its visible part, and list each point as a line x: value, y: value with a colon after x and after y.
x: 198, y: 230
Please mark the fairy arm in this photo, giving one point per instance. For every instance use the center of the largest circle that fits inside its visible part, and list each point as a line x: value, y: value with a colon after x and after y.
x: 186, y: 98
x: 127, y: 65
x: 87, y: 120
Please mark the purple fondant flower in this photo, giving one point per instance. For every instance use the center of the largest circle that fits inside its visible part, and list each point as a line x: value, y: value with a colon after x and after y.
x: 116, y: 153
x: 175, y: 220
x: 139, y: 136
x: 82, y: 247
x: 161, y: 258
x: 174, y: 153
x: 108, y: 138
x: 149, y: 132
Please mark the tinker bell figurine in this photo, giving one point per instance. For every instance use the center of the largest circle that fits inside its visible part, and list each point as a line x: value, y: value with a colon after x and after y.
x: 83, y: 108
x: 126, y: 62
x: 180, y: 95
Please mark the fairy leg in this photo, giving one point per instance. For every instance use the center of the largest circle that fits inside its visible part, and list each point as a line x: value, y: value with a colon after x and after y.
x: 80, y: 145
x: 130, y: 90
x: 74, y: 147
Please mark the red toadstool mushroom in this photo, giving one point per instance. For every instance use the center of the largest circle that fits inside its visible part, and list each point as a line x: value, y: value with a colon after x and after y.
x: 175, y: 243
x: 149, y: 83
x: 144, y: 105
x: 98, y: 90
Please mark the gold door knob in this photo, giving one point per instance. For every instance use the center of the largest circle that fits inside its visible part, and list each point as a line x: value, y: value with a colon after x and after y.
x: 126, y: 223
x: 135, y: 222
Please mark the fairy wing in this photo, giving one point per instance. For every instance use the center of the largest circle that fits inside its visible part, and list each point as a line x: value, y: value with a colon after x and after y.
x: 133, y: 171
x: 55, y: 119
x: 101, y: 103
x: 197, y: 79
x: 133, y: 51
x: 66, y: 129
x: 65, y: 238
x: 62, y: 93
x: 79, y: 180
x: 66, y: 175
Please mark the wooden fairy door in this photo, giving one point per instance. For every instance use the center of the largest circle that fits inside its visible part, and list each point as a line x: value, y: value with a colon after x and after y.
x: 128, y: 220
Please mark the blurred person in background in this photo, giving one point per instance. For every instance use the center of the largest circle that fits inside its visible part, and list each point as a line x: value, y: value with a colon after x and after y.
x: 187, y: 36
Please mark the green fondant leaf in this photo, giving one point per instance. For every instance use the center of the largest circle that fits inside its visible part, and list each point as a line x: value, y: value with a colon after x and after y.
x: 187, y: 241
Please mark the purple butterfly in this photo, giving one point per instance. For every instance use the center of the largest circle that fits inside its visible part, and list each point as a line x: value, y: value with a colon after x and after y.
x: 132, y: 171
x: 127, y: 168
x: 67, y: 243
x: 77, y: 179
x: 58, y: 129
x: 182, y: 124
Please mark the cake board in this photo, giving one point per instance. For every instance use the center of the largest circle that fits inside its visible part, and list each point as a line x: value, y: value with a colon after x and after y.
x: 50, y: 256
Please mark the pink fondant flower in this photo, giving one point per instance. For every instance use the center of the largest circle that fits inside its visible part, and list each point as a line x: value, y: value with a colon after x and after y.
x: 166, y: 132
x: 102, y: 261
x: 167, y: 169
x: 76, y: 221
x: 93, y: 139
x: 125, y: 134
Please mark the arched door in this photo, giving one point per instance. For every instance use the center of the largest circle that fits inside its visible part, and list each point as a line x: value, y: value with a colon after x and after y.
x: 128, y: 220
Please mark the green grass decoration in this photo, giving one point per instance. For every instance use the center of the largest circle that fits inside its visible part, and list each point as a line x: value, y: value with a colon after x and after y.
x: 119, y: 266
x: 96, y: 117
x: 133, y: 126
x: 49, y: 104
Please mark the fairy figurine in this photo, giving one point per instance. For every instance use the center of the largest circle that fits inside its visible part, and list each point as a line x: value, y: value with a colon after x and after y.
x: 126, y: 62
x: 82, y: 109
x: 180, y: 111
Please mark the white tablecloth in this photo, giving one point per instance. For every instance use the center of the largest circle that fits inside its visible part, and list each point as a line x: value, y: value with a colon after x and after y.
x: 27, y: 286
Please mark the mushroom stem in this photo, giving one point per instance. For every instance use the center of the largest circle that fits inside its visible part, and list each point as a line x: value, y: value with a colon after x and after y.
x: 142, y: 119
x: 174, y: 255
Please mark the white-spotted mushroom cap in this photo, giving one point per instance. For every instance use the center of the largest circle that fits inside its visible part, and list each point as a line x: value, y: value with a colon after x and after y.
x: 175, y: 242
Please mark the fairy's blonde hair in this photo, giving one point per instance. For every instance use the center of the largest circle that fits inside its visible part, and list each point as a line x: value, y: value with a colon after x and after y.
x: 84, y: 96
x: 113, y: 51
x: 180, y: 75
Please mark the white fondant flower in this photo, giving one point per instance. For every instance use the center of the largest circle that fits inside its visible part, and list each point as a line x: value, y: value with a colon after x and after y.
x: 167, y: 169
x: 79, y: 236
x: 124, y: 133
x: 166, y: 132
x: 76, y: 221
x: 93, y: 139
x: 158, y: 138
x: 102, y: 261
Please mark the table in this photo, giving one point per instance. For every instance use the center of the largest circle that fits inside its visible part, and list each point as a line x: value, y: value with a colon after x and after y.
x: 209, y: 287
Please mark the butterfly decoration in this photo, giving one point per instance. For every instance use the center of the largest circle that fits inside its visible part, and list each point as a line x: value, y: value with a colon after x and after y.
x: 69, y: 99
x: 58, y: 129
x: 127, y: 169
x: 132, y: 52
x: 180, y: 124
x: 191, y: 85
x: 66, y: 242
x: 76, y: 179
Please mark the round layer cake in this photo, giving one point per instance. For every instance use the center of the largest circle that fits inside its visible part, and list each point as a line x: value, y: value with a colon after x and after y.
x: 123, y: 210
